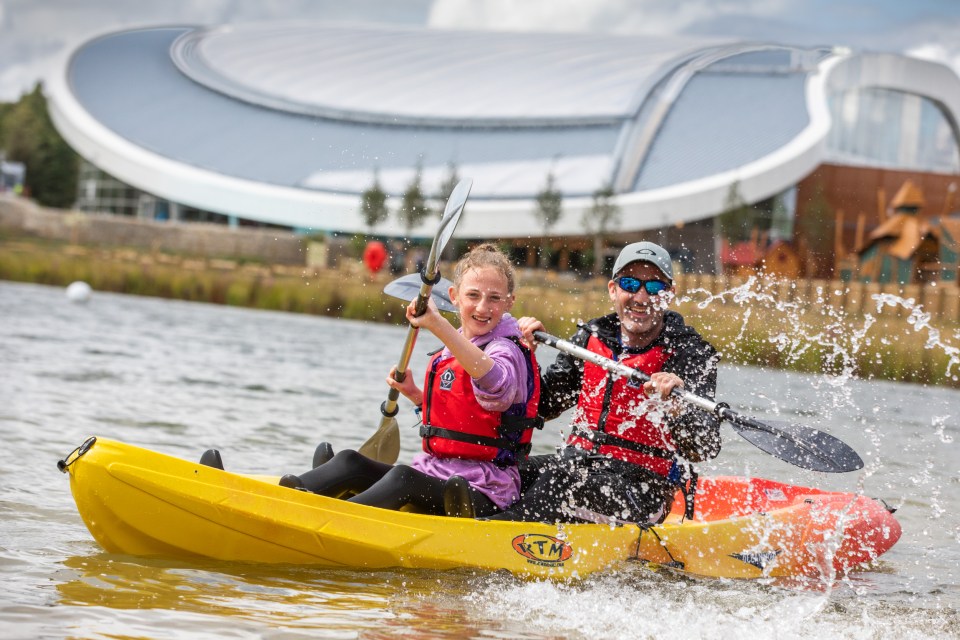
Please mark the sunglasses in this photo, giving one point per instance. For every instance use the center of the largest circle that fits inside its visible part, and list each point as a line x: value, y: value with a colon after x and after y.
x: 632, y: 285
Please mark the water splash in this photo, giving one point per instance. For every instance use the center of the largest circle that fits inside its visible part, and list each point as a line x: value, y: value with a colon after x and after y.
x: 650, y: 603
x: 796, y: 341
x: 940, y: 429
x: 919, y: 319
x: 799, y: 331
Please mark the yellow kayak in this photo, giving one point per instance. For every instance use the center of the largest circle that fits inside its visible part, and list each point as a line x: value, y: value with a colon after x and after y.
x: 141, y: 502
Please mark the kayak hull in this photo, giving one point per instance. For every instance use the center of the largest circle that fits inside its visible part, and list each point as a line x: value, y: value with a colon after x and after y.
x: 140, y: 502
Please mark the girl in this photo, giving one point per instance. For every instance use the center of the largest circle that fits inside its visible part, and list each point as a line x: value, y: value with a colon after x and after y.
x: 478, y: 405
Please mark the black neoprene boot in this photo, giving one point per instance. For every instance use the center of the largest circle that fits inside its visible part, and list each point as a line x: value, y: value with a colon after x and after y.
x: 456, y: 498
x: 211, y: 458
x: 323, y: 454
x: 291, y: 481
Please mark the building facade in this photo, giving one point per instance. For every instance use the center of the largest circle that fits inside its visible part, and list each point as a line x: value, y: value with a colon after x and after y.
x: 287, y: 124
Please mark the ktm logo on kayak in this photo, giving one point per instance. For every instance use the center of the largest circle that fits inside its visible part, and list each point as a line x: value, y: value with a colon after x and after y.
x: 542, y: 549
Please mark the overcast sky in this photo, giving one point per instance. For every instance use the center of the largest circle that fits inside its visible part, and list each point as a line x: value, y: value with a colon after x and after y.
x: 34, y: 34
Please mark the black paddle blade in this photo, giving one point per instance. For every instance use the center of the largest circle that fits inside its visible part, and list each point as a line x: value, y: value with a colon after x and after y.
x: 408, y: 288
x: 799, y: 445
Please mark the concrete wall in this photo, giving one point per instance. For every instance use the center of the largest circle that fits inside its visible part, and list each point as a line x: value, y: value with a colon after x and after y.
x: 272, y: 246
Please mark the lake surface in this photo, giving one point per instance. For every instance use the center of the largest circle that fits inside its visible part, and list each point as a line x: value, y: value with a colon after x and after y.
x: 266, y: 387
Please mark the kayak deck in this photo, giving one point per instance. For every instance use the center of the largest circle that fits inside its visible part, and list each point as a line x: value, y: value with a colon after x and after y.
x: 140, y: 502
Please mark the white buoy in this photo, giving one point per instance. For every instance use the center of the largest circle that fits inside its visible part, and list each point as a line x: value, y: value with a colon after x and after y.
x: 78, y: 291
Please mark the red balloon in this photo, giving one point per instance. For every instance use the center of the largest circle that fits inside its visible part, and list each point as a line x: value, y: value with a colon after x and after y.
x: 374, y: 256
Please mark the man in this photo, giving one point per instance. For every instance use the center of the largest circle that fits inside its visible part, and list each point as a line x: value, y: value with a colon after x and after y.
x: 630, y: 445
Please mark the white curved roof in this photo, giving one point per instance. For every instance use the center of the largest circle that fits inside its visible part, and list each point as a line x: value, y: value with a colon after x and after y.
x: 286, y: 123
x: 393, y: 75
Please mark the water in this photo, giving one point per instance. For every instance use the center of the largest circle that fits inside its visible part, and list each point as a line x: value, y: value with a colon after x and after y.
x: 265, y: 387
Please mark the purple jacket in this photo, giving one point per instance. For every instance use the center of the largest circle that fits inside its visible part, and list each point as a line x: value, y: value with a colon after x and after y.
x: 500, y: 388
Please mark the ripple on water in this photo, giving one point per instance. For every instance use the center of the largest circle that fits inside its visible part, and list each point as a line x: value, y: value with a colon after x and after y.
x: 181, y: 389
x: 81, y: 376
x: 169, y: 427
x: 200, y: 382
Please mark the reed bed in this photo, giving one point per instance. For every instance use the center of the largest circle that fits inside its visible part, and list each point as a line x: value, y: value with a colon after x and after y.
x: 751, y: 324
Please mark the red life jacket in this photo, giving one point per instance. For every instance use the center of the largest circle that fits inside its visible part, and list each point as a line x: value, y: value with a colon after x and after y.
x: 456, y: 426
x: 607, y: 419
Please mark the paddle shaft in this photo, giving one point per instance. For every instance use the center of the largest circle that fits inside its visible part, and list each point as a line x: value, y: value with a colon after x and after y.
x: 797, y: 444
x: 627, y: 372
x: 384, y: 444
x: 389, y: 408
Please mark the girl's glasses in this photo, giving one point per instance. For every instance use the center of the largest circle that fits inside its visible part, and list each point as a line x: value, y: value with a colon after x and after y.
x: 632, y: 285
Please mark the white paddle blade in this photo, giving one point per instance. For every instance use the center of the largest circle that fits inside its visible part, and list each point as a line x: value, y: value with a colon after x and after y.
x: 408, y: 288
x: 451, y: 213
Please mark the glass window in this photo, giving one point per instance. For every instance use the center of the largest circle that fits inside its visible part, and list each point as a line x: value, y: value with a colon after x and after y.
x: 891, y: 129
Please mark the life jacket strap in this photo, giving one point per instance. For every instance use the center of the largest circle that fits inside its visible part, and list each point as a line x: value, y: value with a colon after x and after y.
x: 599, y: 438
x: 469, y: 438
x: 510, y: 425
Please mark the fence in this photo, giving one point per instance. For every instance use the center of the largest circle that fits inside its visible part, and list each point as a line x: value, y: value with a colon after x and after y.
x: 105, y: 230
x: 941, y: 301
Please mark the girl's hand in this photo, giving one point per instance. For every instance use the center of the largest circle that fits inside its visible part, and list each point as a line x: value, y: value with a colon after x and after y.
x: 408, y: 388
x: 527, y: 326
x: 430, y: 319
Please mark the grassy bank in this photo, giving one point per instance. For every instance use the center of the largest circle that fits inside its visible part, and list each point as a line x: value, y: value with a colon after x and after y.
x: 748, y: 325
x: 751, y: 325
x: 253, y: 285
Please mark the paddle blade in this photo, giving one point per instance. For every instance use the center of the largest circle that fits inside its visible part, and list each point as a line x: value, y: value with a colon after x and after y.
x: 799, y: 445
x: 384, y: 445
x: 451, y: 213
x: 408, y: 288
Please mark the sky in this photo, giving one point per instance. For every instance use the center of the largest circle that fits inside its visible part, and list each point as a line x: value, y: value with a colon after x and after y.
x: 35, y: 35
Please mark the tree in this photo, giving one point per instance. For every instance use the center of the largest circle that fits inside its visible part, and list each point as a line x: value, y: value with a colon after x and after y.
x: 815, y: 228
x: 549, y: 208
x: 413, y: 207
x: 446, y: 187
x: 443, y: 194
x: 30, y: 138
x: 5, y: 108
x: 601, y: 218
x: 737, y: 220
x: 373, y: 204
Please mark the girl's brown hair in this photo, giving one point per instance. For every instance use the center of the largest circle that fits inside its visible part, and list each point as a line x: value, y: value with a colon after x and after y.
x: 485, y: 255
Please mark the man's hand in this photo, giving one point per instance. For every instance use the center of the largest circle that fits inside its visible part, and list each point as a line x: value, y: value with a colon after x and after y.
x: 663, y: 384
x: 660, y: 386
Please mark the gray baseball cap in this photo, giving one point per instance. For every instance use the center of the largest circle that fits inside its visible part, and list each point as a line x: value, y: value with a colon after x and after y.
x: 645, y: 252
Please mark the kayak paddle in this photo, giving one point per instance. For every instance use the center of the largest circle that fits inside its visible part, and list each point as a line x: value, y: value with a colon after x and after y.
x: 384, y: 444
x: 797, y: 444
x: 408, y: 287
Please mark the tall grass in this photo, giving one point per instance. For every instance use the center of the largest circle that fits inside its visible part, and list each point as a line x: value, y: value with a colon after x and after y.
x: 333, y: 293
x: 748, y: 324
x: 751, y: 325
